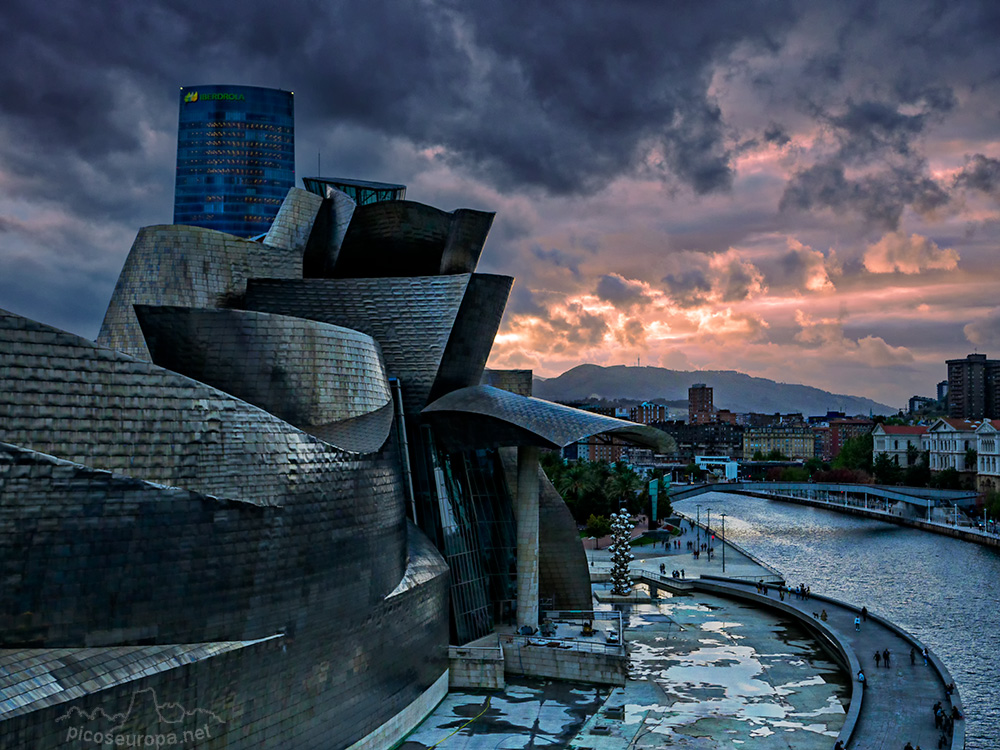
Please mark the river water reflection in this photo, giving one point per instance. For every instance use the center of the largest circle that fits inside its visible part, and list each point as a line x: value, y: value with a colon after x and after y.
x: 944, y: 591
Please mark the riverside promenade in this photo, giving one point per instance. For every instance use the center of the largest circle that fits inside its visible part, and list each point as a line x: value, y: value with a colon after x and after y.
x: 895, y: 705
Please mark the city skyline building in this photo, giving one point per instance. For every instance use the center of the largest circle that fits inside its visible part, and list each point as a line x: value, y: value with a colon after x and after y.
x: 973, y: 387
x: 235, y: 157
x: 701, y: 409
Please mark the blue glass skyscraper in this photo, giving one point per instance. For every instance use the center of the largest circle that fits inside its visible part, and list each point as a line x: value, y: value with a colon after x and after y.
x: 235, y: 157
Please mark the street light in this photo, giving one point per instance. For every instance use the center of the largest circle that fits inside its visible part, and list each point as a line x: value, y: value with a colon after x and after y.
x: 708, y: 533
x: 723, y: 542
x: 698, y: 530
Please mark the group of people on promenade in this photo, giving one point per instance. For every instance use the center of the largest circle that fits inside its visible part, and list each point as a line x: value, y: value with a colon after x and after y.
x: 799, y: 592
x: 945, y: 720
x: 673, y: 573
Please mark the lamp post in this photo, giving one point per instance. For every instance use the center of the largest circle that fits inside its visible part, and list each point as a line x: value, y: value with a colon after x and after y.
x: 698, y: 530
x: 708, y: 533
x: 723, y: 542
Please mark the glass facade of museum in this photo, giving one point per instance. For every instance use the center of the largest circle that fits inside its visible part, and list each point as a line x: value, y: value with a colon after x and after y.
x: 235, y: 157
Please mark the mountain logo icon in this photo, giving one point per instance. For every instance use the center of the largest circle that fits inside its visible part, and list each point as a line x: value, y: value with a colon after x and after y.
x: 166, y: 713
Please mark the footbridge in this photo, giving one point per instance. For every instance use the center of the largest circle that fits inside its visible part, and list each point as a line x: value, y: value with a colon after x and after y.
x: 916, y: 501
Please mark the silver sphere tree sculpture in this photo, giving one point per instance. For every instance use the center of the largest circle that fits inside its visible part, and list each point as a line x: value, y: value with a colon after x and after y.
x: 621, y: 553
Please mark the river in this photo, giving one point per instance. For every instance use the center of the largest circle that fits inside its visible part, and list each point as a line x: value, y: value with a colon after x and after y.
x: 944, y: 591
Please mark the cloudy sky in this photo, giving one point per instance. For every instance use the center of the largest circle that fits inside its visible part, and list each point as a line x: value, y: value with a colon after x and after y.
x: 806, y: 191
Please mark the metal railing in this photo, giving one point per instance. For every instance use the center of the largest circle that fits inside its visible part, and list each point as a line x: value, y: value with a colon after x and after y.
x: 587, y: 646
x: 475, y: 652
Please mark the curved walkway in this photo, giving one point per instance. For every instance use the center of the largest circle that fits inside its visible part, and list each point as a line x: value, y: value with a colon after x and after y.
x: 896, y: 707
x: 898, y: 700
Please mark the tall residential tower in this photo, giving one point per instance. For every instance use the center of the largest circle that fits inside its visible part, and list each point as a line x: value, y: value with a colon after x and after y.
x: 235, y: 157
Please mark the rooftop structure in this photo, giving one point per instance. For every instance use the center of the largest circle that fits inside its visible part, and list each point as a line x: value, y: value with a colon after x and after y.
x: 362, y: 192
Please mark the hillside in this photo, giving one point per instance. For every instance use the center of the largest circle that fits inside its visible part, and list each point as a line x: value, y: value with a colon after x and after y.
x: 732, y: 390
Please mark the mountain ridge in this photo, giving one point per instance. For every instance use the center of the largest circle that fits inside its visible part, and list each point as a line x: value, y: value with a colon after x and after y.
x: 733, y: 390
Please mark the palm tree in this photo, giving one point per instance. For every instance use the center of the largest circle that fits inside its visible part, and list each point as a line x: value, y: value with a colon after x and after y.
x: 623, y: 486
x: 576, y: 485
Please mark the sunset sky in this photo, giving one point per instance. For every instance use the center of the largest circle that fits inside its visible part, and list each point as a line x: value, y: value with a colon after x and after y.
x: 805, y: 191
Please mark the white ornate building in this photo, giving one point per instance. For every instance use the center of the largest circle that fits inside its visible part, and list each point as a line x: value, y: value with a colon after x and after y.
x: 894, y: 440
x: 948, y: 441
x: 989, y: 457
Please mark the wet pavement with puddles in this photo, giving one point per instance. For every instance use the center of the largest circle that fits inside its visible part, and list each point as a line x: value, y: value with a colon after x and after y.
x: 705, y: 672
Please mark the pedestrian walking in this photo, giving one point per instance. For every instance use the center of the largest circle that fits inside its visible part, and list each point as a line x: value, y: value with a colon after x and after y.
x: 857, y: 624
x: 878, y: 658
x: 861, y: 677
x: 864, y: 614
x: 924, y: 654
x: 913, y: 656
x: 682, y: 572
x: 885, y: 658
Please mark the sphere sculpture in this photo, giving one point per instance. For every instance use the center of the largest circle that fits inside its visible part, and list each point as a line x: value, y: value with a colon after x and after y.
x: 621, y: 553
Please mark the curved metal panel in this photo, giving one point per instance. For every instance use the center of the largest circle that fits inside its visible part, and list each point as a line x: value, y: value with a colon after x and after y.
x: 292, y: 226
x: 411, y: 318
x: 190, y: 267
x: 308, y: 373
x: 406, y: 238
x: 495, y: 417
x: 472, y: 335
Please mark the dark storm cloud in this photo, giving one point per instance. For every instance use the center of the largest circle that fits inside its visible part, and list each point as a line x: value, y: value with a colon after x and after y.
x: 558, y: 96
x: 689, y: 287
x: 871, y: 127
x: 579, y: 327
x: 777, y: 135
x: 523, y: 302
x: 620, y: 292
x: 879, y: 197
x: 723, y: 277
x: 980, y: 173
x: 566, y: 95
x: 559, y: 258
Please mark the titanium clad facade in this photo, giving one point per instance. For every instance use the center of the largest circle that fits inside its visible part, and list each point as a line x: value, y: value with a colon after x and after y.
x: 235, y: 157
x: 206, y: 510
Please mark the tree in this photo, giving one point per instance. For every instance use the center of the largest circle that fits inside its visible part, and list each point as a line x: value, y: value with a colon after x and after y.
x: 948, y: 479
x: 992, y: 504
x: 621, y: 553
x: 794, y: 474
x: 912, y: 455
x: 578, y: 486
x: 598, y: 527
x: 623, y: 486
x: 815, y: 464
x: 856, y: 453
x: 886, y: 470
x: 971, y: 459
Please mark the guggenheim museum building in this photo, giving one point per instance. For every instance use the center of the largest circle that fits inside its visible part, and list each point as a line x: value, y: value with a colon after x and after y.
x: 258, y: 509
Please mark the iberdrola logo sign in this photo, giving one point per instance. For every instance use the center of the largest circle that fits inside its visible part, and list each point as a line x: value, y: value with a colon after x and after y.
x: 192, y: 96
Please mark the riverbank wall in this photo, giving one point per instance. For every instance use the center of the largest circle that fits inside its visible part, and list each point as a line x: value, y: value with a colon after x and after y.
x: 936, y: 528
